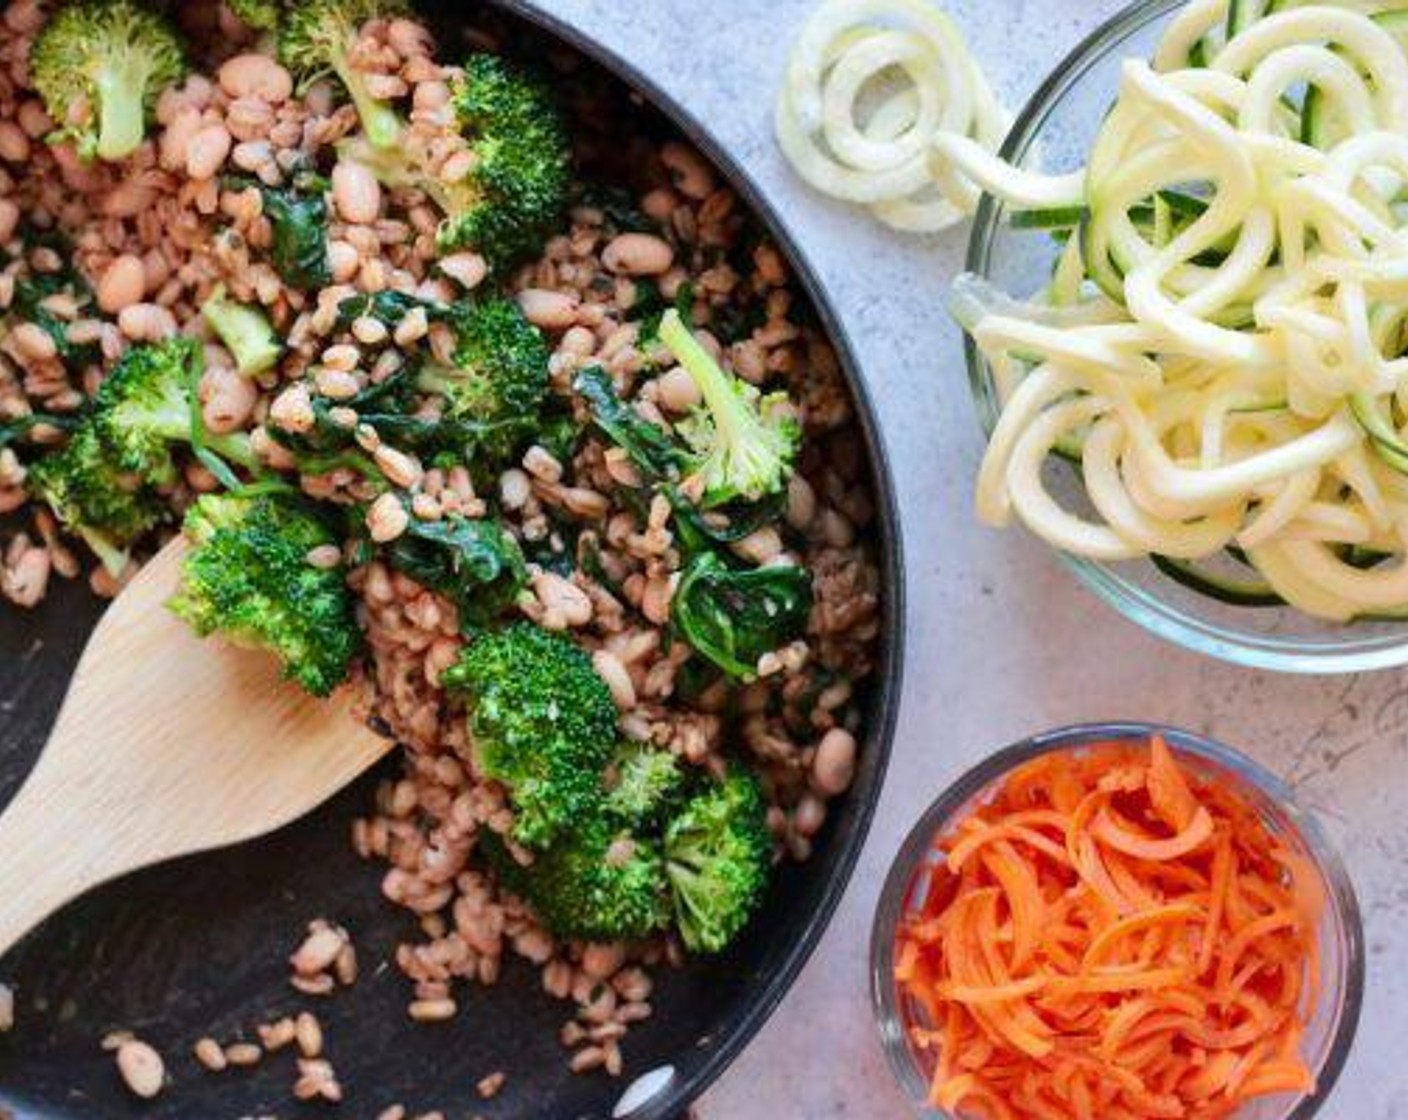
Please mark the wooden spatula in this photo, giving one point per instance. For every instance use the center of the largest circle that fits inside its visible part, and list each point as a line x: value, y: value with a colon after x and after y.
x: 166, y: 745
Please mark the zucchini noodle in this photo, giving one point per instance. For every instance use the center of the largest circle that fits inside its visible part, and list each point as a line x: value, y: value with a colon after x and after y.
x: 883, y: 105
x: 1223, y: 348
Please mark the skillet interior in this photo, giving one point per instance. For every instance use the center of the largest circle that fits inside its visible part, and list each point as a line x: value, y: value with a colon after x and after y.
x: 199, y: 946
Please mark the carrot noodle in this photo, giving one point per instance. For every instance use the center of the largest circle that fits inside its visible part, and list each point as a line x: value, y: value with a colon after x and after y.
x: 1111, y: 934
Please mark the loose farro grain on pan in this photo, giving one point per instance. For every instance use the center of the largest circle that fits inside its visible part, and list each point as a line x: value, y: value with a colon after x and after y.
x: 720, y: 593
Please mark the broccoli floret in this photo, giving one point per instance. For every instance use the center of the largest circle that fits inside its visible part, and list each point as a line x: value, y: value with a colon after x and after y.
x: 500, y: 375
x: 316, y: 39
x: 542, y: 723
x: 643, y: 783
x: 245, y: 331
x: 718, y: 857
x: 744, y: 444
x: 596, y: 882
x: 247, y: 578
x: 519, y: 185
x: 99, y: 66
x: 109, y: 509
x: 492, y: 384
x: 147, y: 404
x: 513, y: 196
x: 734, y: 616
x: 258, y: 15
x: 144, y: 406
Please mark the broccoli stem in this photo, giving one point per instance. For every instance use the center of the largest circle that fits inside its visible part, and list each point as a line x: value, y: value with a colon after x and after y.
x: 380, y: 122
x: 730, y: 414
x: 122, y: 113
x: 245, y: 331
x: 234, y: 446
x: 174, y: 424
x: 113, y: 559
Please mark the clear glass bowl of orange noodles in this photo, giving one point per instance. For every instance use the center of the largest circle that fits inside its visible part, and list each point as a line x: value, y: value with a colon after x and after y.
x: 1117, y: 922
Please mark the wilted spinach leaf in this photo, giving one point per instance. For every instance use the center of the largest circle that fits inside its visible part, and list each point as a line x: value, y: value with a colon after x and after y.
x: 653, y: 452
x: 476, y: 564
x: 300, y: 245
x: 734, y: 616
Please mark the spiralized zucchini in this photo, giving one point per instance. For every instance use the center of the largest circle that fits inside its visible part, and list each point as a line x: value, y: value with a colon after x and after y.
x: 1222, y: 345
x: 875, y: 93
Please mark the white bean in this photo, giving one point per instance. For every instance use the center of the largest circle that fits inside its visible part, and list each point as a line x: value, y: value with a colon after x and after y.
x: 801, y: 503
x: 387, y: 519
x: 677, y: 391
x: 142, y: 1068
x: 227, y: 399
x: 256, y: 75
x: 514, y: 488
x: 14, y: 142
x: 834, y: 765
x: 562, y: 600
x: 26, y: 580
x: 609, y: 668
x: 292, y: 409
x: 466, y: 269
x: 123, y: 283
x: 600, y: 961
x: 207, y: 150
x: 35, y: 121
x: 692, y: 175
x: 759, y: 546
x: 177, y: 138
x: 343, y: 261
x: 638, y: 254
x: 318, y: 951
x: 809, y: 815
x: 547, y: 309
x: 9, y: 219
x: 34, y: 342
x: 355, y: 192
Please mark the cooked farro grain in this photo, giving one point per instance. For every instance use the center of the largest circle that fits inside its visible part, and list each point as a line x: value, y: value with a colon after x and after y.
x: 210, y: 1054
x: 489, y: 1087
x: 243, y: 1054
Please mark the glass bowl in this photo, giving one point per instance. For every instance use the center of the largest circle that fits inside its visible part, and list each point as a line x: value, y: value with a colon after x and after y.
x: 1330, y: 1032
x: 1060, y: 122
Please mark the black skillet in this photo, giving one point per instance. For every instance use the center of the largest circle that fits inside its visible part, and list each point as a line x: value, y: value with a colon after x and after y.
x: 198, y: 946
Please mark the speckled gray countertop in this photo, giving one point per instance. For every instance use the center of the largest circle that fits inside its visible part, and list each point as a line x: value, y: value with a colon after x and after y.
x: 1002, y: 641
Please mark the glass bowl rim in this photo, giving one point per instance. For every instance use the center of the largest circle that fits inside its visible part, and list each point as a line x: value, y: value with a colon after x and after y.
x: 1140, y: 604
x: 918, y: 841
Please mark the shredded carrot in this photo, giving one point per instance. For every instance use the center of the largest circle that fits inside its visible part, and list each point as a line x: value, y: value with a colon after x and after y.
x: 1169, y: 795
x: 1112, y: 933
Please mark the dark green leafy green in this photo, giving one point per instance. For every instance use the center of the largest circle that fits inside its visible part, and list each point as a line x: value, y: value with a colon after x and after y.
x: 18, y: 429
x: 734, y: 616
x: 651, y: 449
x: 476, y: 564
x: 300, y: 245
x: 28, y: 304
